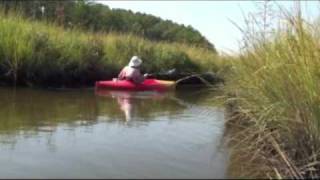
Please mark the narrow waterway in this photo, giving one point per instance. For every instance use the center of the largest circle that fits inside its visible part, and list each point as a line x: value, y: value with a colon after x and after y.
x: 109, y: 134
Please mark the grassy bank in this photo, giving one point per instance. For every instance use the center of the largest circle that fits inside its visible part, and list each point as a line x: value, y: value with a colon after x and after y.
x: 38, y: 53
x: 274, y: 98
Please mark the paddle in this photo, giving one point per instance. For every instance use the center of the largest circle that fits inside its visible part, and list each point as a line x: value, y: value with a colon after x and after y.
x: 204, y: 81
x: 171, y: 74
x: 180, y: 78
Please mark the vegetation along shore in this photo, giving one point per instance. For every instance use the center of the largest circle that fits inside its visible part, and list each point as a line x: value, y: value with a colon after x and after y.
x: 37, y: 52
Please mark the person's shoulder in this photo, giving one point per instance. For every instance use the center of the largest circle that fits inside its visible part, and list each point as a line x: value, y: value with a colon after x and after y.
x: 126, y: 67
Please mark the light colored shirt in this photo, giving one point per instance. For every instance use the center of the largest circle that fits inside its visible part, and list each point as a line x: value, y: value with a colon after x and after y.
x: 132, y: 74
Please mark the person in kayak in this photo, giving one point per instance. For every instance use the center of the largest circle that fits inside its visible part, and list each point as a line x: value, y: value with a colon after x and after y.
x: 132, y: 72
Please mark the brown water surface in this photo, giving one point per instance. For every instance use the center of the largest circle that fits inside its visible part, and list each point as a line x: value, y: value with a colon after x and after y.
x: 103, y: 134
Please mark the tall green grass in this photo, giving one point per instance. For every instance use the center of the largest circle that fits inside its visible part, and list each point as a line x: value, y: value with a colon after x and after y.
x: 38, y: 53
x: 275, y: 83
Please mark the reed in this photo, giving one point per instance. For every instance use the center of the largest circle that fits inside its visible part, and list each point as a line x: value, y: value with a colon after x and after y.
x: 276, y: 99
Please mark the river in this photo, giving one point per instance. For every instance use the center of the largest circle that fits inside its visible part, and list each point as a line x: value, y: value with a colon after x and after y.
x: 86, y: 133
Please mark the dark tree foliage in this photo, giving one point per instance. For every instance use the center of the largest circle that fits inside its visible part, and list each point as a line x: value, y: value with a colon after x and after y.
x: 92, y: 16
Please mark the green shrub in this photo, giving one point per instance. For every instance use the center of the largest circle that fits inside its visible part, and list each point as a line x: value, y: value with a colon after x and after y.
x: 38, y: 53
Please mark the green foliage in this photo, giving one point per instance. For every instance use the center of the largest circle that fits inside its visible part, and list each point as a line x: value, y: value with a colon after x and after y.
x: 38, y: 53
x: 97, y: 17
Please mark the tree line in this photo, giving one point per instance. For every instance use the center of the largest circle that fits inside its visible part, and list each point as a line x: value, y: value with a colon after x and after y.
x: 92, y: 16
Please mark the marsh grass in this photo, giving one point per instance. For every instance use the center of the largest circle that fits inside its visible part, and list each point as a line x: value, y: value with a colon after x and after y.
x: 41, y: 53
x: 276, y: 99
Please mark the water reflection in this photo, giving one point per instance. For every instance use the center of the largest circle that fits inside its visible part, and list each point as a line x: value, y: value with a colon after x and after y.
x: 42, y: 111
x: 129, y: 100
x: 108, y: 134
x: 38, y: 110
x: 137, y: 106
x: 31, y: 112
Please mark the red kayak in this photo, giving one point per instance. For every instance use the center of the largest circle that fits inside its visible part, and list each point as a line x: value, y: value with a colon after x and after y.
x: 147, y: 85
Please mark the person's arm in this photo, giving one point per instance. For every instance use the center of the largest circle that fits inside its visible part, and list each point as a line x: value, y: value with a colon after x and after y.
x: 138, y: 77
x: 122, y: 75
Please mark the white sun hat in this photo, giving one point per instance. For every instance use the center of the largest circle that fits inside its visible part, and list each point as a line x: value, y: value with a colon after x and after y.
x: 135, y: 61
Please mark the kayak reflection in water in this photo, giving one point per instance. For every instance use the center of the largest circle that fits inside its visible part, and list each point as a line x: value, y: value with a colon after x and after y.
x: 128, y: 101
x: 125, y: 103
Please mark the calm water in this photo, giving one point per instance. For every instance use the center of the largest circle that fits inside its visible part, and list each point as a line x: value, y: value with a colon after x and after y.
x: 103, y: 134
